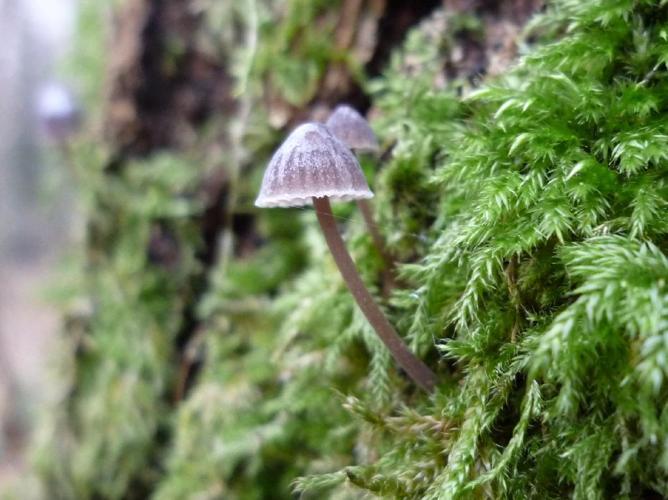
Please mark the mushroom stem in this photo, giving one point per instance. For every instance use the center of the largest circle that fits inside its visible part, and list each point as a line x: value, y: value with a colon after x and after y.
x: 413, y: 366
x: 365, y: 208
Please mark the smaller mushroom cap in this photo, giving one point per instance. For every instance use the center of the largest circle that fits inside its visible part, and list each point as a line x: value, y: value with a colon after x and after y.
x: 57, y: 111
x: 312, y: 163
x: 350, y: 127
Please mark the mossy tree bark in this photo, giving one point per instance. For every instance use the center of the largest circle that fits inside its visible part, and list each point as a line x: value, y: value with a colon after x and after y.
x: 214, y: 340
x: 162, y: 88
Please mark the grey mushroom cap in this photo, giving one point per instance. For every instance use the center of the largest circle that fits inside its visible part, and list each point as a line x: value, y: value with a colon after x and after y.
x: 312, y: 163
x: 350, y: 127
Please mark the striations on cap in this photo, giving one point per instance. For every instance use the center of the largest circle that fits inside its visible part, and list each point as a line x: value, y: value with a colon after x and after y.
x: 351, y: 128
x: 312, y: 163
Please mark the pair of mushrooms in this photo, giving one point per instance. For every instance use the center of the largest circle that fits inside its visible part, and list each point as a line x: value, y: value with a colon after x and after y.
x: 315, y: 165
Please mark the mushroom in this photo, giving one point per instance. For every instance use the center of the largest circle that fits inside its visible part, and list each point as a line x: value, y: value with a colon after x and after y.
x: 351, y: 128
x: 58, y: 112
x: 313, y: 166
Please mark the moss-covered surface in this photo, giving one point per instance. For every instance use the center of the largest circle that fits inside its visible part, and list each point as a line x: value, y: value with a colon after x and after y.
x: 528, y: 215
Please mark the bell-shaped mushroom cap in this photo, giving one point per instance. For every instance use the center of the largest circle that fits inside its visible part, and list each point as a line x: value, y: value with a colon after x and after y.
x: 350, y: 127
x: 312, y: 163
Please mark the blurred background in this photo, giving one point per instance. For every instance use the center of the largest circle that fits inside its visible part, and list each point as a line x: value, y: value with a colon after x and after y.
x: 37, y: 210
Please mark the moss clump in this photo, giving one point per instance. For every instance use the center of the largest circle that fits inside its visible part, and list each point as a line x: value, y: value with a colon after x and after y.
x: 546, y: 276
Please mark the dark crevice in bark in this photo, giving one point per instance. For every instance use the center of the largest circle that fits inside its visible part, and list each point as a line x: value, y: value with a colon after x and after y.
x: 398, y: 19
x: 162, y: 88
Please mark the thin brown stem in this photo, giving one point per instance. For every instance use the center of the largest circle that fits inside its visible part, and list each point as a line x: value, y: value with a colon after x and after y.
x: 413, y: 366
x: 511, y: 278
x: 378, y: 241
x: 389, y: 272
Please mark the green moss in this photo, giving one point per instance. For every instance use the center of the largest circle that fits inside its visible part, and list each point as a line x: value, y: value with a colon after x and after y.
x: 532, y: 293
x: 117, y: 407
